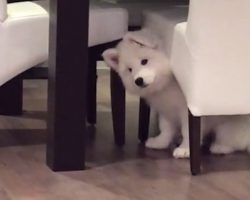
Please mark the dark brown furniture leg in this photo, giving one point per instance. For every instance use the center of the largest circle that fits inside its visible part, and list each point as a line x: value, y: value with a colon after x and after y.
x: 118, y: 100
x: 68, y: 62
x: 11, y: 97
x: 194, y: 141
x: 95, y: 54
x: 144, y: 119
x: 91, y: 93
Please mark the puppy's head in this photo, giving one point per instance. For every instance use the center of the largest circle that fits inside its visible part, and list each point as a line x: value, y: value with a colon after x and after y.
x: 143, y: 68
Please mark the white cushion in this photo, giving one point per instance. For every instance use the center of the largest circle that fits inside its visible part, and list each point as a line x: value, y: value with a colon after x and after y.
x: 24, y: 10
x: 106, y: 23
x: 161, y: 22
x: 135, y: 8
x: 24, y: 33
x: 3, y: 9
x: 23, y: 39
x: 210, y: 57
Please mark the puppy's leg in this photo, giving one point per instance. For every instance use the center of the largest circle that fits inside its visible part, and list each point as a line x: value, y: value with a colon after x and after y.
x: 183, y: 150
x: 217, y: 148
x: 222, y: 145
x: 164, y: 138
x: 227, y: 139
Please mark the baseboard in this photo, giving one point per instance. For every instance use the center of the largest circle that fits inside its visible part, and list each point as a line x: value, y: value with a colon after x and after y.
x: 102, y: 68
x: 41, y: 71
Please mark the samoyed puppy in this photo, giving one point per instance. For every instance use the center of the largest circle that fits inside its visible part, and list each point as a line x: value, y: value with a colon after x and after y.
x: 145, y: 71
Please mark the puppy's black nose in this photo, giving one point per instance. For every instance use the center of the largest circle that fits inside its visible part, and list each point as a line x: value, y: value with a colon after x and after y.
x: 139, y: 82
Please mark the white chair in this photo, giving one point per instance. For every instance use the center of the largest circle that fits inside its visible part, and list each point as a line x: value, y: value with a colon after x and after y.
x: 23, y: 37
x: 214, y: 70
x: 210, y: 58
x: 136, y: 8
x: 24, y: 44
x: 107, y: 25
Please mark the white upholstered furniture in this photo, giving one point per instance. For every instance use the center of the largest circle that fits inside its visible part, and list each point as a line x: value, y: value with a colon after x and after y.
x: 214, y: 68
x: 24, y: 29
x: 136, y: 8
x: 23, y: 37
x: 215, y: 49
x: 24, y: 33
x: 209, y: 55
x: 107, y: 22
x: 107, y: 25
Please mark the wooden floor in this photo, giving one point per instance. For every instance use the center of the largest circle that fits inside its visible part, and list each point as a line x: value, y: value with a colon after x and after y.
x: 113, y: 174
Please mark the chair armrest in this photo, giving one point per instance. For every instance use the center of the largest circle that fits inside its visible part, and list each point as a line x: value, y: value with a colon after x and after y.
x: 3, y: 10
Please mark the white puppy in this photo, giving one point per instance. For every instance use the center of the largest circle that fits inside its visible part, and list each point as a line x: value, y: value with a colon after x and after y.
x: 145, y: 71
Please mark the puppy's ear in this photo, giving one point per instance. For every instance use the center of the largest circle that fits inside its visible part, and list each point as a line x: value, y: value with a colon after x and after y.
x: 111, y: 58
x: 143, y: 38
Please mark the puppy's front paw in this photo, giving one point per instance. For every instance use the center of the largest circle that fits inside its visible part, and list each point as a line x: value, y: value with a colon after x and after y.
x: 181, y: 152
x: 156, y: 143
x: 220, y: 149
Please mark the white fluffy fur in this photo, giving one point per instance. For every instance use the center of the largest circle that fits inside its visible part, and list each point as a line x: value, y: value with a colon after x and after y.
x: 163, y: 94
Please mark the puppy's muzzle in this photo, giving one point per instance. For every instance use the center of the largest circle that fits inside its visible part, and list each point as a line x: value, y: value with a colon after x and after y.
x: 140, y: 82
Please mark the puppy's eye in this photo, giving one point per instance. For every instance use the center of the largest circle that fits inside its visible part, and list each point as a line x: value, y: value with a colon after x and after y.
x: 130, y: 69
x: 144, y: 61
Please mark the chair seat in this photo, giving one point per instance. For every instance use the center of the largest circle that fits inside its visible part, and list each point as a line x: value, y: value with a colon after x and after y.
x: 24, y: 39
x: 107, y: 22
x: 188, y: 66
x: 135, y: 8
x: 162, y: 22
x: 24, y: 10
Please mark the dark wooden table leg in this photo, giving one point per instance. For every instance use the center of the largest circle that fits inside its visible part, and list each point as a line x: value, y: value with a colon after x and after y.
x: 68, y: 61
x: 118, y: 103
x: 144, y: 120
x: 11, y: 97
x: 194, y: 140
x: 92, y: 76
